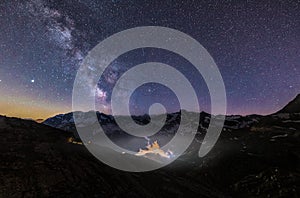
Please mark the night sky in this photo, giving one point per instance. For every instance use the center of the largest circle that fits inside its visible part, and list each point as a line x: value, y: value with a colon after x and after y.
x: 256, y: 45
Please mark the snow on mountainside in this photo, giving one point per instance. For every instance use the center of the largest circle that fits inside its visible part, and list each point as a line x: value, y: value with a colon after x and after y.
x: 288, y: 116
x: 66, y: 122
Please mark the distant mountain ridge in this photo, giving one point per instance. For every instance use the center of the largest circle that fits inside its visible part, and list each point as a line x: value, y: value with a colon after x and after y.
x: 66, y: 122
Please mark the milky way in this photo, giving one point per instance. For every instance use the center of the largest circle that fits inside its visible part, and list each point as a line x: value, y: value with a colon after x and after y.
x: 256, y: 45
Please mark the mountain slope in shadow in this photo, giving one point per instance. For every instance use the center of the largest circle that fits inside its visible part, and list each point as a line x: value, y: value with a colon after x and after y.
x: 37, y: 161
x: 292, y: 107
x: 260, y: 159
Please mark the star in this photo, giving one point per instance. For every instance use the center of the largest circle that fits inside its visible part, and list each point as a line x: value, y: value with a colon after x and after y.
x: 258, y: 61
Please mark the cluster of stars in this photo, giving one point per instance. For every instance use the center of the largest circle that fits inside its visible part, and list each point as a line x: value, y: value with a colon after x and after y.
x: 256, y: 45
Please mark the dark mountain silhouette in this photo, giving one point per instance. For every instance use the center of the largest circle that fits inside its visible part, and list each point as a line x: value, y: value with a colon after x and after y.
x: 292, y: 107
x: 257, y: 159
x: 39, y: 161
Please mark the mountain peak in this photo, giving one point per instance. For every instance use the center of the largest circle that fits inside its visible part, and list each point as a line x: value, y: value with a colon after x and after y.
x: 292, y: 107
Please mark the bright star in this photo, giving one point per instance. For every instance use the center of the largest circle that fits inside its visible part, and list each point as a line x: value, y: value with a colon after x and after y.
x: 32, y: 80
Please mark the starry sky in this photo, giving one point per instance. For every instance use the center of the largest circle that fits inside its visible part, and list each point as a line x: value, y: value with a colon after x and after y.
x: 256, y: 45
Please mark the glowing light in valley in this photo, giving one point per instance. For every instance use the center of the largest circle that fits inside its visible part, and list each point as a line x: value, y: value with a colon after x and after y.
x: 156, y: 150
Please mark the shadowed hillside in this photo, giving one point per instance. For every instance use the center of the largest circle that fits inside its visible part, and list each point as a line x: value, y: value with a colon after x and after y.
x: 255, y: 156
x: 292, y: 107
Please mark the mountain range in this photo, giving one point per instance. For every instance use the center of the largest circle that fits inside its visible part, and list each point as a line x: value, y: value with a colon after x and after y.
x: 255, y: 156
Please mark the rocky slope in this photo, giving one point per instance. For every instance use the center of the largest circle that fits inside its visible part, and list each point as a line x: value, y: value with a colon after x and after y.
x: 260, y: 158
x: 37, y: 161
x: 261, y: 161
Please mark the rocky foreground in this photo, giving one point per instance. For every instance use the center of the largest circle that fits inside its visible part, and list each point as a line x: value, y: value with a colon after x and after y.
x: 259, y: 160
x: 255, y: 156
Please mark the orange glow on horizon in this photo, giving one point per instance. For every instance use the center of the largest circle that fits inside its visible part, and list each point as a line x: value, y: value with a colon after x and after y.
x: 28, y: 108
